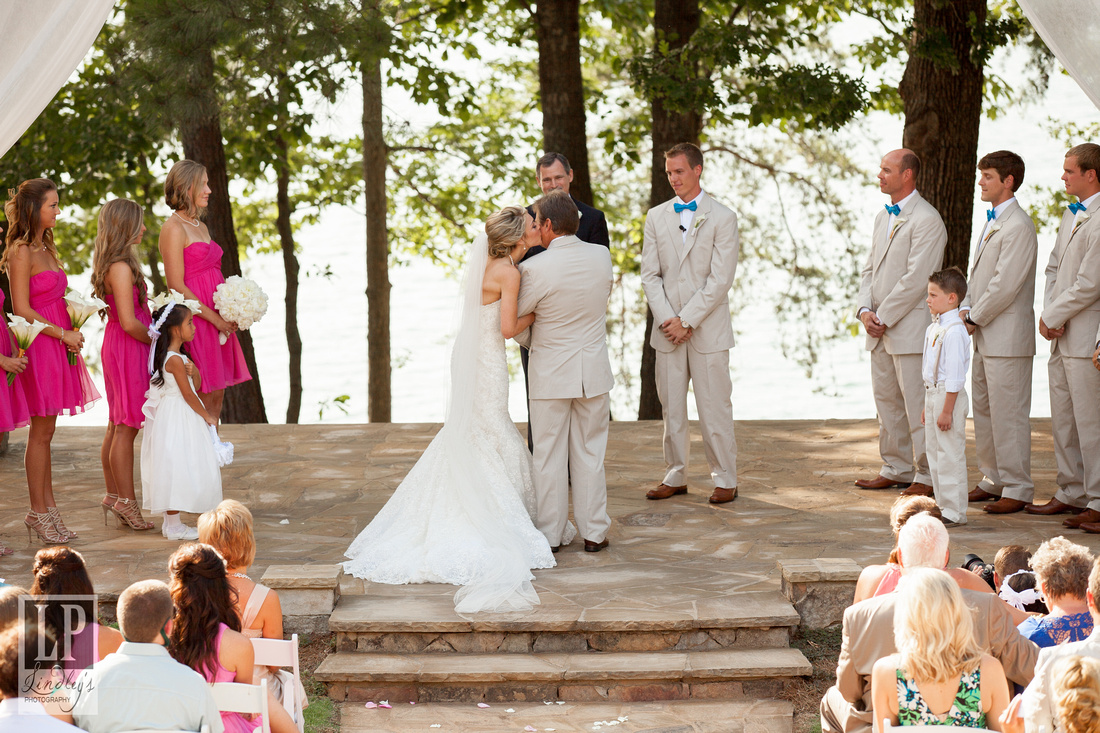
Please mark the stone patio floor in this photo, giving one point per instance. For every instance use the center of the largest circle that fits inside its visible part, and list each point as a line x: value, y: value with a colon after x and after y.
x: 312, y: 488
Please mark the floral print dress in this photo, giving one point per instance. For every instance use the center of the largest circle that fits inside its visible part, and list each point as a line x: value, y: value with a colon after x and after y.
x: 966, y: 710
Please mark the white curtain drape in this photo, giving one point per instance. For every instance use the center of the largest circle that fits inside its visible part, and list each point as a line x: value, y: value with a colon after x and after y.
x: 41, y: 44
x: 1070, y: 29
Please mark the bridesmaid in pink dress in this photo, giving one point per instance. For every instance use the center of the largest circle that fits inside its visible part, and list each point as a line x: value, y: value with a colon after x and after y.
x: 192, y: 266
x: 50, y: 384
x: 117, y: 279
x: 13, y: 405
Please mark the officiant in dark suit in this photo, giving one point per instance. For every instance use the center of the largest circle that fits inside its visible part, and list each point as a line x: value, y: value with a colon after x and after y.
x: 554, y: 174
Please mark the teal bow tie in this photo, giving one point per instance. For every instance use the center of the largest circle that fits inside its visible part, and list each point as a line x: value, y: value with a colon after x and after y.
x: 1075, y: 207
x: 893, y: 209
x: 991, y: 215
x: 689, y: 207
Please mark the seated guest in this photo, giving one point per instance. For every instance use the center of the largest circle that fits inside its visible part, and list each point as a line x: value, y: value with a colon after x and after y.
x: 20, y: 710
x: 9, y: 604
x: 228, y: 529
x: 1040, y: 698
x: 206, y: 631
x: 140, y: 687
x: 1010, y: 559
x: 61, y: 571
x: 1076, y: 690
x: 1062, y: 569
x: 868, y: 633
x: 940, y: 676
x: 1021, y: 591
x: 875, y: 580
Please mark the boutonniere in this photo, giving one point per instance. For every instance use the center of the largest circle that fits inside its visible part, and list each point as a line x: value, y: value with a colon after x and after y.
x: 1080, y: 220
x: 992, y: 229
x: 897, y: 223
x: 699, y: 220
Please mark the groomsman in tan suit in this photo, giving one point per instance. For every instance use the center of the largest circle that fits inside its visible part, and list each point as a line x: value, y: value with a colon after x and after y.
x: 567, y: 288
x: 999, y: 314
x: 689, y: 257
x: 907, y: 247
x: 1070, y: 321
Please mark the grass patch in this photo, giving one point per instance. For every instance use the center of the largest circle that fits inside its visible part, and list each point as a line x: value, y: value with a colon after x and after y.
x: 822, y: 649
x: 322, y: 715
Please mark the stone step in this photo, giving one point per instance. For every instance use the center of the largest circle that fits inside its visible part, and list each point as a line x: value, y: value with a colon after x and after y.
x: 429, y: 624
x: 586, y: 677
x: 709, y: 716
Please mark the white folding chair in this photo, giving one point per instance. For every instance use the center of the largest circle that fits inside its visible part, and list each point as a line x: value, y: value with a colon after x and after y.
x: 278, y: 653
x: 237, y: 697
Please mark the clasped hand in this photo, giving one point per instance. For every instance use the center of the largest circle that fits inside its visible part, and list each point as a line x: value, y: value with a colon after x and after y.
x: 1050, y: 333
x: 73, y: 340
x: 675, y: 332
x: 875, y: 327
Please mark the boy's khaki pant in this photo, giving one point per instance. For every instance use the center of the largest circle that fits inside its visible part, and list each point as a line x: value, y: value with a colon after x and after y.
x: 947, y: 453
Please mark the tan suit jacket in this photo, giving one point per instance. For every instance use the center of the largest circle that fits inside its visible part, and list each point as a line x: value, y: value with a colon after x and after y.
x: 869, y: 636
x: 1039, y: 700
x: 895, y: 279
x: 1001, y: 291
x: 567, y: 288
x: 1072, y: 297
x: 691, y: 278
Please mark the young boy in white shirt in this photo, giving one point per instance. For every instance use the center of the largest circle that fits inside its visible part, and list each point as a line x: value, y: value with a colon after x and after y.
x: 944, y: 366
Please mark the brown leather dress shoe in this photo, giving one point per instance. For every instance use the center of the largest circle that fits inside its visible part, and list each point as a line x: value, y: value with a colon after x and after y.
x: 664, y: 491
x: 1052, y: 507
x: 979, y: 494
x: 1090, y: 527
x: 881, y: 482
x: 1004, y: 505
x: 1088, y: 516
x: 722, y: 496
x: 590, y: 546
x: 918, y: 489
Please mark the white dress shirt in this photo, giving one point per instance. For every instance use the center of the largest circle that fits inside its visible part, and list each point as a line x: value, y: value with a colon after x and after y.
x: 997, y: 211
x: 901, y: 205
x: 1087, y: 203
x: 24, y: 715
x: 687, y: 216
x: 1039, y: 702
x: 946, y: 352
x: 140, y: 686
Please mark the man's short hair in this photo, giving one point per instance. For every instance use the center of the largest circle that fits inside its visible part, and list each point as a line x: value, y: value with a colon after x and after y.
x: 1006, y: 163
x: 11, y: 639
x: 922, y: 543
x: 910, y: 161
x: 143, y: 610
x: 558, y: 208
x: 549, y: 159
x: 950, y: 280
x: 1011, y: 559
x: 692, y: 152
x: 1087, y: 156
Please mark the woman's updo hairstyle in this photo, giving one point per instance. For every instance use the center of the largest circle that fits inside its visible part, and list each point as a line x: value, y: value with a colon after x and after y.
x: 1077, y: 692
x: 504, y: 228
x: 179, y: 187
x: 22, y: 210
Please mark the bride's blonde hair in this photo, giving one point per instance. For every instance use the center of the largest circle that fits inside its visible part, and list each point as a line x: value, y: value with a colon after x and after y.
x: 504, y: 228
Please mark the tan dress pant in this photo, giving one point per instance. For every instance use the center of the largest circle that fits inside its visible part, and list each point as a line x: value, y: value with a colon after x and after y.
x: 840, y: 716
x: 1001, y: 388
x: 1075, y: 421
x: 899, y: 397
x: 947, y: 453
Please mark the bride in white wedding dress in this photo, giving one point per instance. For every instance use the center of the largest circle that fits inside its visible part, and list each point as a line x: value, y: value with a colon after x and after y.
x: 463, y: 514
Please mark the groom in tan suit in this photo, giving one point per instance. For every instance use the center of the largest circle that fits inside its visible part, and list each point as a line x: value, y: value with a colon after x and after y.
x: 1070, y: 318
x: 1000, y: 315
x: 567, y: 288
x: 907, y: 247
x: 689, y: 257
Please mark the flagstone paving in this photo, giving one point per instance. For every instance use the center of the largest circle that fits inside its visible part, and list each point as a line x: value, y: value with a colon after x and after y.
x: 312, y: 488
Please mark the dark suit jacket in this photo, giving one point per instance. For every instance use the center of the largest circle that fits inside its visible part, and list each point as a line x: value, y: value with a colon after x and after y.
x: 592, y: 229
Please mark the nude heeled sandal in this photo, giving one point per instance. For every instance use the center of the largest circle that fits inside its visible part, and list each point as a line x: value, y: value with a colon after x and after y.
x: 41, y: 524
x: 130, y: 513
x: 108, y: 505
x: 55, y: 517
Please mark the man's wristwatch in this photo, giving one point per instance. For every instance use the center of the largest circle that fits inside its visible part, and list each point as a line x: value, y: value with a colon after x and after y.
x: 967, y: 319
x: 684, y: 324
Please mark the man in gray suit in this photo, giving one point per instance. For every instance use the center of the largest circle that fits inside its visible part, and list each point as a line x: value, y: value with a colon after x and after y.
x: 1070, y: 319
x: 567, y: 288
x: 1000, y: 315
x: 907, y: 247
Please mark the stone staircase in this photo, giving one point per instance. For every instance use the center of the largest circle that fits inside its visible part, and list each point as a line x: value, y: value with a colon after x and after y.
x: 729, y: 650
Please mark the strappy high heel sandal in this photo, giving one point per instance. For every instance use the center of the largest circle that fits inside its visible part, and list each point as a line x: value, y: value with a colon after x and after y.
x: 55, y: 517
x: 5, y: 550
x: 130, y: 513
x: 41, y: 523
x: 108, y: 505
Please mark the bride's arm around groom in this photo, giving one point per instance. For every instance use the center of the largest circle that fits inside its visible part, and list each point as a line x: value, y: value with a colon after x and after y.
x: 567, y: 288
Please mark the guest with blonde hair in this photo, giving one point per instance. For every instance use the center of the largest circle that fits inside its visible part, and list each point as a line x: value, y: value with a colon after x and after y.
x: 940, y: 674
x: 1062, y: 569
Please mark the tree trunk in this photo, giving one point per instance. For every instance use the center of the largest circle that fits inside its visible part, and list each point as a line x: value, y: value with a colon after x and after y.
x: 290, y: 267
x: 943, y: 107
x: 378, y: 250
x: 202, y: 142
x: 561, y: 88
x: 675, y: 21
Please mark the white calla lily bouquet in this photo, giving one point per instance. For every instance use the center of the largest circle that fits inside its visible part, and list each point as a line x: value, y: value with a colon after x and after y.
x: 241, y: 301
x: 25, y: 332
x: 80, y: 310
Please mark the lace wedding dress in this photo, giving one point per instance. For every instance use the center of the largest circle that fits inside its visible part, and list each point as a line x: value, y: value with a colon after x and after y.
x: 462, y: 515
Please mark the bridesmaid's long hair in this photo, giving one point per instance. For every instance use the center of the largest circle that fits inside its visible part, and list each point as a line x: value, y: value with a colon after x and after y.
x: 61, y: 571
x: 179, y: 187
x: 117, y: 236
x: 160, y: 351
x: 21, y: 211
x: 203, y: 598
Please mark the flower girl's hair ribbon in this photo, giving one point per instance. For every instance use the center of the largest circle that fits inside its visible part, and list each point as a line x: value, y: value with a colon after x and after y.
x: 1018, y: 599
x: 167, y: 301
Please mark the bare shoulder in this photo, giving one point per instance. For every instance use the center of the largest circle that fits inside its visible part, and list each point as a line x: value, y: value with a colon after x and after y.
x: 21, y: 252
x: 172, y: 234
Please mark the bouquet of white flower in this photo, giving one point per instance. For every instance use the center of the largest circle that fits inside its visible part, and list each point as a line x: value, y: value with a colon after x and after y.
x: 241, y: 301
x: 80, y: 310
x: 24, y: 332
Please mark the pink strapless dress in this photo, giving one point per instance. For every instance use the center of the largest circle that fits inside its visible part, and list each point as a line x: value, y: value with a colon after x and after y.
x: 126, y: 365
x: 52, y: 386
x: 233, y: 722
x: 221, y: 366
x: 13, y: 405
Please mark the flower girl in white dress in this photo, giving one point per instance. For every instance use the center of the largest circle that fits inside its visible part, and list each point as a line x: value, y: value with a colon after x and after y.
x: 179, y: 464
